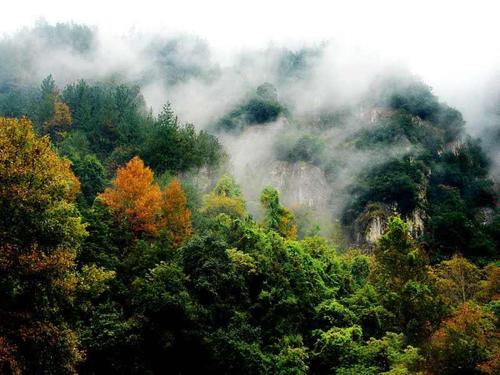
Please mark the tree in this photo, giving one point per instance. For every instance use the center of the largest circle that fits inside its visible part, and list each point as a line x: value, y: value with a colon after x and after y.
x: 35, y: 187
x: 260, y: 107
x: 398, y: 258
x: 466, y: 343
x: 91, y: 174
x: 176, y: 214
x: 40, y: 231
x: 226, y: 198
x: 490, y: 288
x: 135, y: 198
x: 111, y: 116
x: 277, y: 217
x: 342, y: 350
x: 458, y: 280
x: 54, y: 115
x: 60, y: 121
x: 48, y: 91
x: 172, y: 146
x: 402, y: 281
x: 164, y: 311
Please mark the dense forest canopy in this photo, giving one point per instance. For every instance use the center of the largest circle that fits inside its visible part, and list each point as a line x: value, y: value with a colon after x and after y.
x: 297, y: 228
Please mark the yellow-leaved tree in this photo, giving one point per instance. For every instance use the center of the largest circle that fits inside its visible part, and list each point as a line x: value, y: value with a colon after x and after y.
x: 226, y: 198
x: 136, y: 198
x: 60, y: 121
x: 54, y: 114
x: 177, y: 217
x: 40, y: 231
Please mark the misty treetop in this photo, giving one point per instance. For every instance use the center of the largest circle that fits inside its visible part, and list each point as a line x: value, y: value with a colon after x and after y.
x: 261, y: 107
x: 135, y: 242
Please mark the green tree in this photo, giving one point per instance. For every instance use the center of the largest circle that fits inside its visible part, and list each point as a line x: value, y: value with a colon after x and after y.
x: 92, y: 177
x: 277, y: 217
x: 403, y: 283
x: 171, y: 146
x: 226, y: 198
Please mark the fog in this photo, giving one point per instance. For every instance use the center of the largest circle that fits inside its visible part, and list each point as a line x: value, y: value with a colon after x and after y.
x: 451, y: 45
x: 207, y: 59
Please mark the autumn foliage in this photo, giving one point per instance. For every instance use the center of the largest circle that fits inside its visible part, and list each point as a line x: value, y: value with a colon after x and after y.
x: 176, y: 215
x: 60, y: 121
x: 141, y: 277
x: 30, y: 171
x: 466, y: 343
x: 457, y: 280
x: 137, y: 199
x: 40, y: 231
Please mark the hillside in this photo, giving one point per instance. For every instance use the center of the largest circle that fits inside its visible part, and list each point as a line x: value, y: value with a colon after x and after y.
x: 300, y: 226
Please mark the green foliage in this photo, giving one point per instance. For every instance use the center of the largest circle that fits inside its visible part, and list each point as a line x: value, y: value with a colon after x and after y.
x: 399, y: 128
x: 388, y: 355
x: 81, y: 292
x: 402, y: 279
x: 397, y: 181
x: 92, y: 177
x: 110, y: 115
x: 277, y: 217
x: 416, y: 98
x: 307, y: 148
x: 260, y: 108
x: 459, y: 190
x: 438, y: 170
x: 172, y: 147
x: 226, y: 198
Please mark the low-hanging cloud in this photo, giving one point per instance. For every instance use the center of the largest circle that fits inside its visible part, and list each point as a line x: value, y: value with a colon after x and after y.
x: 202, y: 87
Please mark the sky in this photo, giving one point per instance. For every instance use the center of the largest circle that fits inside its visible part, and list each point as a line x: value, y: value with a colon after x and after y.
x: 452, y: 45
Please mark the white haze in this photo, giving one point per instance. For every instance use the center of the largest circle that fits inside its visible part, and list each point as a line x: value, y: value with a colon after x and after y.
x: 451, y: 45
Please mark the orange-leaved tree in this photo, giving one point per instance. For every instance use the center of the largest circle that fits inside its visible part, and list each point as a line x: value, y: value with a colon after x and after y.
x: 135, y: 198
x: 177, y: 216
x: 466, y: 343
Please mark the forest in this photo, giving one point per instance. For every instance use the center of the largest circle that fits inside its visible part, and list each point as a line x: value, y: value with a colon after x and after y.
x: 277, y: 234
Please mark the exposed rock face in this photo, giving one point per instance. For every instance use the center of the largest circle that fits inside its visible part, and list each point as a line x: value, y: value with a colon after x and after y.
x: 373, y: 115
x: 485, y: 215
x: 454, y: 147
x: 371, y: 224
x: 416, y: 222
x: 300, y: 184
x: 374, y: 229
